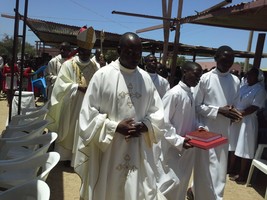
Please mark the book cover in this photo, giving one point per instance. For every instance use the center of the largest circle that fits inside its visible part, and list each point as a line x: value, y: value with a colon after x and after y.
x: 208, y: 145
x: 204, y: 136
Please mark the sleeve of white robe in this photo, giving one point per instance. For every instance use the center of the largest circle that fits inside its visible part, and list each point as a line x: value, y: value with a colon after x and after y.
x: 154, y: 119
x: 169, y: 103
x: 259, y: 98
x: 210, y: 111
x: 65, y: 84
x: 93, y: 124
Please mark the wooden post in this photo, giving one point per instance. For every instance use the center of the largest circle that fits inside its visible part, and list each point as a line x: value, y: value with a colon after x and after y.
x: 176, y: 44
x: 259, y: 50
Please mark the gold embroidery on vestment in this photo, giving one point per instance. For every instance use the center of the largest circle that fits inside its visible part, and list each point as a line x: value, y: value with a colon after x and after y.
x: 126, y: 166
x: 129, y: 95
x: 79, y: 74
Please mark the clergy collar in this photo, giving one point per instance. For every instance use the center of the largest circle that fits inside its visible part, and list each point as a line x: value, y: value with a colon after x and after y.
x: 124, y: 69
x: 80, y: 62
x: 152, y: 74
x: 220, y: 73
x: 184, y: 86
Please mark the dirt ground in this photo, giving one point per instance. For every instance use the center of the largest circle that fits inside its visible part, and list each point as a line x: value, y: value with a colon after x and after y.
x: 64, y: 183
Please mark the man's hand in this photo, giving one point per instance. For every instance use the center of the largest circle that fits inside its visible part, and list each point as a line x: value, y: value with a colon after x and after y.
x: 82, y: 89
x: 129, y: 128
x: 186, y: 143
x: 230, y: 112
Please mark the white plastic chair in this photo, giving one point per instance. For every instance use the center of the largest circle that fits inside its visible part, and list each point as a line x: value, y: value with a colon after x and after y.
x: 20, y: 132
x: 26, y: 111
x: 13, y: 148
x: 259, y: 163
x: 17, y: 171
x: 37, y: 115
x: 34, y: 190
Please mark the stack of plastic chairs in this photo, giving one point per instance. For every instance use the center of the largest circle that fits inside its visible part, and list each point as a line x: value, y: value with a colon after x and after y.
x: 25, y: 160
x: 34, y: 189
x: 30, y: 114
x: 20, y: 147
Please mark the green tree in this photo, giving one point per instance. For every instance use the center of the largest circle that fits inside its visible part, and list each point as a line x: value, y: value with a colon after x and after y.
x: 180, y: 60
x: 111, y: 55
x: 6, y: 47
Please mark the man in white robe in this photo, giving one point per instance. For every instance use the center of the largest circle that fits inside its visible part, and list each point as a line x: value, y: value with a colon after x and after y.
x: 179, y: 109
x: 215, y: 96
x: 121, y: 117
x: 160, y: 83
x: 98, y: 59
x: 54, y: 65
x: 67, y: 96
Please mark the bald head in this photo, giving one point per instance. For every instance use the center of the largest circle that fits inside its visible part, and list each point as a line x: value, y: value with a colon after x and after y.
x: 222, y: 49
x: 130, y: 50
x: 224, y: 58
x: 192, y: 72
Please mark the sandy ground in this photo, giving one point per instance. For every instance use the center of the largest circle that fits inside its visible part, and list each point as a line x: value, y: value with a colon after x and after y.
x: 64, y: 183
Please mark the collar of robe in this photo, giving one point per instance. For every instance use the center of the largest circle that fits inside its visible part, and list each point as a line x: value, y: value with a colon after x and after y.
x: 80, y: 62
x: 124, y: 69
x: 216, y: 71
x: 184, y: 86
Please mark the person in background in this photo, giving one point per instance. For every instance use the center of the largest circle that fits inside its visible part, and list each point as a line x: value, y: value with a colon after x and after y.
x: 2, y: 63
x: 215, y: 97
x: 28, y: 73
x: 243, y: 139
x: 7, y: 80
x: 68, y: 93
x: 98, y: 59
x: 160, y: 83
x: 179, y: 109
x: 54, y: 65
x: 121, y: 117
x: 162, y: 71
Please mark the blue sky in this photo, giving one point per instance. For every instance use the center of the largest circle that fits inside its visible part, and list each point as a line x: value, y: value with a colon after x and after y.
x: 98, y: 14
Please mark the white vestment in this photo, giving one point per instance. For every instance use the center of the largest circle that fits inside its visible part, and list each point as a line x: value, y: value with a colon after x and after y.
x: 214, y: 90
x: 246, y: 131
x: 110, y: 167
x: 66, y: 101
x: 179, y: 108
x: 51, y: 72
x: 160, y: 83
x: 93, y: 59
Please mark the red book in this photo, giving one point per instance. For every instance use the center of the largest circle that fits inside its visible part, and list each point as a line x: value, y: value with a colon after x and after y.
x: 208, y: 145
x: 203, y: 135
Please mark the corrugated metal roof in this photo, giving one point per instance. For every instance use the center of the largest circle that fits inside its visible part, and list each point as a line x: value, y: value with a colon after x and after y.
x: 246, y: 16
x: 52, y: 33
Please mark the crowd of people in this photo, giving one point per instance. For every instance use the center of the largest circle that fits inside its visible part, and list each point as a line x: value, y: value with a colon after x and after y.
x: 32, y: 69
x: 122, y: 127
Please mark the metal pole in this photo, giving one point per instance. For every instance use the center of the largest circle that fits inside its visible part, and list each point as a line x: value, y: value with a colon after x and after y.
x: 14, y: 54
x: 22, y: 53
